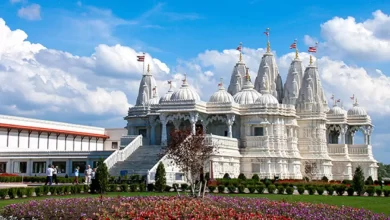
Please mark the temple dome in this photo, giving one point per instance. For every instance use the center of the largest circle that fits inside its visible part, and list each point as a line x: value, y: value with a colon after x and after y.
x: 356, y: 110
x: 267, y: 99
x: 221, y: 96
x: 167, y: 96
x: 336, y: 110
x: 154, y: 101
x: 247, y: 95
x: 185, y: 93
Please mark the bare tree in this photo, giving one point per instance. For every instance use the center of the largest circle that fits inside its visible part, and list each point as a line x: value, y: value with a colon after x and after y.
x: 310, y: 169
x: 190, y: 152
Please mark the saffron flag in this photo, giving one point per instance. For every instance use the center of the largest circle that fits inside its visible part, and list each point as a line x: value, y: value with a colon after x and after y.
x: 141, y: 58
x: 239, y: 48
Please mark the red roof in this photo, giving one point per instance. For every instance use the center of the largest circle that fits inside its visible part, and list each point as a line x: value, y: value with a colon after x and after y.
x: 58, y: 131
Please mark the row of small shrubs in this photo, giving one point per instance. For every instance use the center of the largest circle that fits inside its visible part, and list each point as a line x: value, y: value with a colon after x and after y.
x: 21, y: 192
x: 34, y: 179
x: 144, y: 188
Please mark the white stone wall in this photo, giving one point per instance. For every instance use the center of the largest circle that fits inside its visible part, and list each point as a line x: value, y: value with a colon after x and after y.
x: 115, y: 136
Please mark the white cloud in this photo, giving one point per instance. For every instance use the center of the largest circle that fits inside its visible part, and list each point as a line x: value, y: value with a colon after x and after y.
x: 17, y: 1
x: 31, y: 12
x: 367, y: 40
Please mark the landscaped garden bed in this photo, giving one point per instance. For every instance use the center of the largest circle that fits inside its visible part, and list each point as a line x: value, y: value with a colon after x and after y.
x: 157, y: 207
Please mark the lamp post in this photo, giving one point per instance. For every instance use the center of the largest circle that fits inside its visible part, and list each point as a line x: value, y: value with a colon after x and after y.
x: 382, y: 183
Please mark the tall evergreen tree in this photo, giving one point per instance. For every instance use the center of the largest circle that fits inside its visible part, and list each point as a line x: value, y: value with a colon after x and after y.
x: 358, y: 181
x: 102, y: 176
x: 160, y: 178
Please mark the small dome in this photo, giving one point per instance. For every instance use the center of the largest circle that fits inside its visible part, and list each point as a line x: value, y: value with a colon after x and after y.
x: 356, y: 110
x: 154, y: 101
x: 185, y: 93
x: 221, y: 96
x: 337, y: 111
x: 247, y: 95
x: 167, y: 96
x: 267, y: 99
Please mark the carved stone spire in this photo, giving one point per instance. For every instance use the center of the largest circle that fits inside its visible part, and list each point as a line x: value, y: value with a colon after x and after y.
x: 293, y: 82
x: 146, y: 86
x: 237, y: 78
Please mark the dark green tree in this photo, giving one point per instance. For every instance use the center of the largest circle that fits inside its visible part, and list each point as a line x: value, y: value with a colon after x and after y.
x: 369, y: 181
x: 242, y: 177
x: 256, y: 177
x: 358, y: 181
x: 160, y: 178
x: 101, y: 176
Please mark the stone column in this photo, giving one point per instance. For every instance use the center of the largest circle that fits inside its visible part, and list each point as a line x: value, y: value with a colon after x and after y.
x: 369, y: 132
x: 177, y: 123
x: 230, y: 122
x: 164, y: 121
x: 193, y: 119
x: 152, y: 123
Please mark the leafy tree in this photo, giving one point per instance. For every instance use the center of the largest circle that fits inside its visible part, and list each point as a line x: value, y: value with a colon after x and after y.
x: 256, y: 177
x: 384, y: 170
x: 160, y: 178
x: 226, y: 176
x: 369, y: 181
x: 358, y: 181
x: 242, y: 177
x: 190, y: 152
x: 102, y: 176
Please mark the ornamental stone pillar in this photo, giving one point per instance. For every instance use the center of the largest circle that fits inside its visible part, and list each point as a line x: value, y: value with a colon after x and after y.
x: 193, y: 119
x: 152, y: 123
x: 343, y: 131
x: 230, y: 122
x: 164, y: 121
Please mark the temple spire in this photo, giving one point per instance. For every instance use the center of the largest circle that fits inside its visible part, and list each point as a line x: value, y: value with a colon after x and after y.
x: 294, y: 46
x: 239, y: 48
x: 312, y: 50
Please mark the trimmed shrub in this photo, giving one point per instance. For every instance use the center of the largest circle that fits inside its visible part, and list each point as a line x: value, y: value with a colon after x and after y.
x: 251, y: 189
x: 29, y: 191
x: 320, y: 190
x: 175, y: 187
x: 325, y: 179
x: 21, y: 192
x: 311, y: 190
x: 133, y: 187
x: 184, y: 187
x: 12, y: 193
x: 281, y: 190
x: 226, y: 176
x: 340, y: 189
x: 53, y: 190
x: 160, y: 177
x: 211, y: 189
x: 301, y: 190
x: 221, y: 189
x: 271, y: 189
x: 369, y: 181
x: 256, y: 178
x: 350, y: 191
x: 370, y: 190
x: 60, y: 190
x: 358, y: 181
x: 242, y: 177
x: 330, y: 190
x: 168, y: 188
x: 289, y: 190
x: 378, y: 192
x: 260, y: 188
x: 151, y: 187
x: 38, y: 191
x: 386, y: 192
x: 241, y: 189
x: 231, y: 189
x: 3, y: 193
x: 124, y: 188
x: 142, y: 187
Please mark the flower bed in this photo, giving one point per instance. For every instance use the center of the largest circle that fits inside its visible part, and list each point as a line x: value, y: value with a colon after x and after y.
x: 157, y: 207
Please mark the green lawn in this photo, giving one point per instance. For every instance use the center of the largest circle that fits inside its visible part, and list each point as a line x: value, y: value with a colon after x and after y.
x: 375, y: 204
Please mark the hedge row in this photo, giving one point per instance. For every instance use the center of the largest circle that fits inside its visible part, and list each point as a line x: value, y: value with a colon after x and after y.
x: 35, y: 179
x: 21, y: 192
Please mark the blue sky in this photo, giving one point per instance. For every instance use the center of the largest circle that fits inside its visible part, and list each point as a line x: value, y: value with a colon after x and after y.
x: 91, y: 48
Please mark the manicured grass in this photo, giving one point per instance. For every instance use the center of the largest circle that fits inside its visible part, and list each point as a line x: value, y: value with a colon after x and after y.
x: 375, y: 204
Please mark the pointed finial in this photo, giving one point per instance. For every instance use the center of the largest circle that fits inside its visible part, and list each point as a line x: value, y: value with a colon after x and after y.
x: 239, y: 48
x: 296, y: 49
x: 185, y: 78
x: 356, y: 102
x: 268, y: 43
x: 148, y: 69
x: 248, y: 77
x: 311, y: 60
x: 220, y: 84
x: 170, y: 84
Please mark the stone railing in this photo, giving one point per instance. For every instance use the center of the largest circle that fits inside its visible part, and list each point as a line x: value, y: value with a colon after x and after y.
x: 120, y: 155
x: 359, y: 149
x: 127, y: 139
x: 255, y: 141
x: 222, y: 142
x: 171, y: 177
x: 336, y: 149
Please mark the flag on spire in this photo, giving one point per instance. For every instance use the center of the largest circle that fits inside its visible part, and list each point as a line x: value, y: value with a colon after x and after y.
x: 293, y: 45
x: 239, y: 48
x: 169, y: 82
x: 266, y: 32
x: 332, y: 97
x: 312, y: 49
x: 338, y: 100
x: 353, y: 97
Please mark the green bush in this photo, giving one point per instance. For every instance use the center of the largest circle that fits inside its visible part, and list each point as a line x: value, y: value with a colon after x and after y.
x: 142, y: 187
x: 241, y: 188
x: 151, y: 187
x: 350, y: 191
x: 175, y: 187
x: 285, y: 185
x: 221, y: 189
x: 281, y: 190
x: 53, y: 190
x: 301, y: 190
x: 168, y: 188
x: 320, y: 190
x: 241, y: 176
x: 45, y: 190
x: 370, y: 190
x: 289, y: 190
x: 60, y: 190
x: 256, y: 178
x: 226, y: 176
x: 311, y: 190
x: 134, y: 187
x: 330, y: 190
x: 124, y: 188
x: 112, y: 188
x: 211, y: 188
x: 85, y: 188
x: 3, y: 193
x: 369, y: 181
x: 271, y: 189
x: 251, y: 189
x: 13, y: 192
x: 386, y: 192
x: 231, y: 189
x: 378, y: 192
x: 38, y: 191
x: 29, y: 191
x: 184, y: 187
x: 160, y: 178
x: 260, y: 188
x: 21, y: 192
x: 340, y: 189
x: 325, y: 179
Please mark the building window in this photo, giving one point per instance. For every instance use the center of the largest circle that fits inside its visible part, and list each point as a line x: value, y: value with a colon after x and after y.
x: 94, y: 164
x: 142, y: 132
x: 3, y: 167
x: 114, y: 145
x: 179, y: 176
x: 259, y: 131
x: 20, y: 167
x: 61, y: 166
x: 226, y: 134
x: 39, y: 167
x: 255, y: 168
x: 80, y: 164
